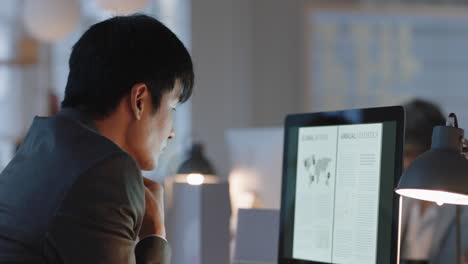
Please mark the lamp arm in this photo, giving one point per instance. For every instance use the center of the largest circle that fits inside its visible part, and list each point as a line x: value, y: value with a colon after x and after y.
x: 458, y: 233
x: 452, y: 120
x: 465, y: 147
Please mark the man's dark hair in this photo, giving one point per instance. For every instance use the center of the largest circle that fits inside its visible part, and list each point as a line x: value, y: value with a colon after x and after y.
x: 421, y: 117
x: 116, y: 54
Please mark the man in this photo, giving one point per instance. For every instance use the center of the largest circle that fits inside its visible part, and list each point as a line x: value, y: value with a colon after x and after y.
x: 74, y: 192
x: 428, y: 231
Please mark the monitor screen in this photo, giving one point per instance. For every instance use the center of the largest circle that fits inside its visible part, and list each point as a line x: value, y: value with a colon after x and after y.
x: 338, y: 200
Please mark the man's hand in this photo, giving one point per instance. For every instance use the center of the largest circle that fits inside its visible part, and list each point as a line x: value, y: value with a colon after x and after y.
x: 153, y: 221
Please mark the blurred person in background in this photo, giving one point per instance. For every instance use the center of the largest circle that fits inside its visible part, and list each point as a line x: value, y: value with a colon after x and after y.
x: 428, y: 230
x: 74, y: 192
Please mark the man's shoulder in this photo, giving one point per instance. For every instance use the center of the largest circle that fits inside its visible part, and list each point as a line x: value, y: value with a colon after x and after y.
x: 111, y: 184
x: 77, y: 134
x: 113, y: 165
x: 60, y: 151
x: 67, y: 141
x: 115, y: 175
x: 64, y: 160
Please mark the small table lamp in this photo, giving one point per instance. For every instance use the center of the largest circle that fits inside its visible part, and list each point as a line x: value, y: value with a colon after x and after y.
x: 441, y: 174
x: 196, y: 170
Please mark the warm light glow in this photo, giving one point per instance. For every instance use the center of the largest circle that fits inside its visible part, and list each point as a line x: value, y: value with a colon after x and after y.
x: 246, y: 200
x: 243, y: 184
x: 195, y: 179
x: 439, y: 197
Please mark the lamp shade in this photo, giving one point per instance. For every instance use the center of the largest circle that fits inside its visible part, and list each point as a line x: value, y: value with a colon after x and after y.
x: 51, y: 20
x: 122, y: 6
x: 197, y: 168
x: 196, y: 163
x: 441, y: 174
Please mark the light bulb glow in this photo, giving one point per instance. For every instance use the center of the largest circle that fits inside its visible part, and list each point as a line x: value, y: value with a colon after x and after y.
x: 195, y: 179
x: 437, y: 196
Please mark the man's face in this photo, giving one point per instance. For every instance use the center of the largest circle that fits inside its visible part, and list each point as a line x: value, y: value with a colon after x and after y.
x: 149, y: 135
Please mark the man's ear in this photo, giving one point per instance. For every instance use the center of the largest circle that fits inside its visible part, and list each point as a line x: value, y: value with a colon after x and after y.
x: 138, y: 94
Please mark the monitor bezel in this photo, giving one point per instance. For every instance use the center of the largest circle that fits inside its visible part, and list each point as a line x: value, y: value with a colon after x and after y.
x: 370, y: 115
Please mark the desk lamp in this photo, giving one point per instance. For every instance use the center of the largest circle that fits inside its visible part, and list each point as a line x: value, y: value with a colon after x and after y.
x: 440, y: 175
x: 196, y: 170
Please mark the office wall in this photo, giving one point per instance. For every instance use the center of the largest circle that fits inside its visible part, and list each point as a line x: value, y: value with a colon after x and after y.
x: 277, y: 46
x: 248, y: 66
x: 220, y: 100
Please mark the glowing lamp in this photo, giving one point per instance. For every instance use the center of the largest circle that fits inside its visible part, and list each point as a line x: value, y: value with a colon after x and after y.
x: 196, y: 170
x: 440, y: 175
x: 195, y: 179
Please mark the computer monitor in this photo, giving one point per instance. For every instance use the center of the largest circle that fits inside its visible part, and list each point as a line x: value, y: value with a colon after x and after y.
x: 338, y: 202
